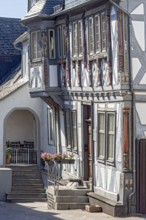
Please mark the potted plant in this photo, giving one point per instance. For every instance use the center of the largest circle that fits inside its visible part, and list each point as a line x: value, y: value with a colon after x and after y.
x: 8, y: 155
x: 66, y: 158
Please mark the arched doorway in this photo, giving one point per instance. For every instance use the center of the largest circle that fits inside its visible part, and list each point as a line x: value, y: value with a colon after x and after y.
x: 21, y: 137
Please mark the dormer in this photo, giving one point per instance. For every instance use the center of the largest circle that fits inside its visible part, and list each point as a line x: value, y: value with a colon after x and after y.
x: 31, y: 3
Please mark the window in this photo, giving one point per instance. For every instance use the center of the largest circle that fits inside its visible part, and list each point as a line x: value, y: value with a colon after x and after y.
x: 68, y: 129
x: 74, y: 130
x: 35, y: 45
x: 74, y: 39
x: 71, y: 130
x: 106, y: 136
x: 59, y: 42
x: 64, y: 33
x: 97, y: 34
x: 80, y: 36
x: 91, y: 35
x: 101, y: 135
x: 52, y: 53
x: 62, y: 41
x: 50, y: 126
x: 103, y: 31
x: 77, y: 39
x: 110, y: 136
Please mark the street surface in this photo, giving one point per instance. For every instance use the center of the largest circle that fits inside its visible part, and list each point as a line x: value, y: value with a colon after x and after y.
x: 39, y: 211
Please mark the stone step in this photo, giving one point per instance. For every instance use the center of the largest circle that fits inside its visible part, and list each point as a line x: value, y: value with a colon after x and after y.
x: 25, y: 167
x: 71, y: 199
x: 33, y: 176
x: 28, y: 190
x: 25, y: 172
x: 71, y: 206
x: 27, y: 187
x: 20, y: 181
x: 64, y: 191
x: 21, y: 200
x: 26, y: 195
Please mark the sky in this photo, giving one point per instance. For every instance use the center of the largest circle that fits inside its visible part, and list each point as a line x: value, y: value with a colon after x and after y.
x: 13, y: 8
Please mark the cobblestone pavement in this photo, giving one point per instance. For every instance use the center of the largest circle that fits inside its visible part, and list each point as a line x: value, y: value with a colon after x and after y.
x: 39, y: 211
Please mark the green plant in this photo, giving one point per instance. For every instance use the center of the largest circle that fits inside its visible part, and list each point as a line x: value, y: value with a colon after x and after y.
x: 8, y: 152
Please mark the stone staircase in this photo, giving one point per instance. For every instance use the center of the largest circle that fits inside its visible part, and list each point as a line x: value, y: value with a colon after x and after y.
x: 66, y: 197
x: 27, y: 185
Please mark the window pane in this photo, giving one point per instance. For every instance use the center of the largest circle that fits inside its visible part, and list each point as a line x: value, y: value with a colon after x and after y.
x: 103, y: 29
x: 110, y: 136
x: 97, y: 34
x: 101, y: 135
x: 74, y: 40
x: 80, y: 31
x: 59, y: 42
x: 74, y: 129
x: 91, y: 35
x: 50, y: 126
x: 35, y: 45
x: 64, y: 32
x: 52, y: 44
x: 67, y: 122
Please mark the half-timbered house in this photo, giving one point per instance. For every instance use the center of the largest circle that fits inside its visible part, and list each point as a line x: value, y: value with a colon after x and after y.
x: 87, y: 61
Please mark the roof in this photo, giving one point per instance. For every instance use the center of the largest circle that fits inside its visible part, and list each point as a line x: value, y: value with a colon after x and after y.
x: 10, y: 29
x: 42, y: 8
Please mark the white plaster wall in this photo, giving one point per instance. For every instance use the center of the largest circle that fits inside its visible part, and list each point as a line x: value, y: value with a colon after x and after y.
x: 20, y: 99
x: 20, y: 126
x: 140, y: 109
x: 53, y: 76
x: 5, y: 182
x: 107, y: 178
x: 139, y: 32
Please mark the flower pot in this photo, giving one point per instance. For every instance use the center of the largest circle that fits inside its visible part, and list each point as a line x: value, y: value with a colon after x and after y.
x: 8, y: 160
x: 65, y: 161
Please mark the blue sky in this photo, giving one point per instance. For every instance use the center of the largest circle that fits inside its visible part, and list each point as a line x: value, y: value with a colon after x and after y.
x: 13, y: 8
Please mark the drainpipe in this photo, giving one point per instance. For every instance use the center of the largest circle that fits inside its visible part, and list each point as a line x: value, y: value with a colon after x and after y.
x: 93, y: 164
x: 133, y: 122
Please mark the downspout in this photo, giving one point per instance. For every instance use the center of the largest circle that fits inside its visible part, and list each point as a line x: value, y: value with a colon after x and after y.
x: 93, y: 156
x: 133, y: 121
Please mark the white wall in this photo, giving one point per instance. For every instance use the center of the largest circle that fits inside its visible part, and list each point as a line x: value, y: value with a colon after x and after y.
x: 20, y: 126
x: 20, y: 100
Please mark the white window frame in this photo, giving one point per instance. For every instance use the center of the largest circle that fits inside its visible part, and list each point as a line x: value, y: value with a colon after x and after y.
x: 52, y: 46
x: 35, y: 46
x: 105, y: 157
x: 110, y: 133
x: 101, y: 152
